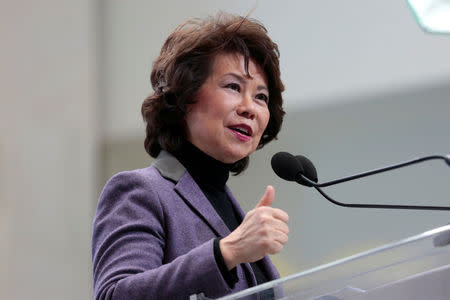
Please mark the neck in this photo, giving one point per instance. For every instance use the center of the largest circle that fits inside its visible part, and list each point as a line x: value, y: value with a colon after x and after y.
x: 202, y: 167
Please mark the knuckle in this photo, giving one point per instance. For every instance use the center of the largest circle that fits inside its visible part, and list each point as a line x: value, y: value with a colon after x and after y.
x: 260, y: 209
x: 258, y: 212
x: 265, y: 209
x: 275, y: 249
x: 265, y: 219
x: 266, y: 243
x: 264, y: 230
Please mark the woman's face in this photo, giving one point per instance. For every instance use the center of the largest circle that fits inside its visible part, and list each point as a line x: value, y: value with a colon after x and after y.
x: 231, y: 111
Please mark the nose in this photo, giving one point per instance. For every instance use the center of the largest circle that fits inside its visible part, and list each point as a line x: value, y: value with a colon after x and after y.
x: 246, y: 108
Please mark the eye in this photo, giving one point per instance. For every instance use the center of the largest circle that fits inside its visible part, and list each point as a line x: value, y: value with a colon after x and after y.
x: 234, y: 86
x: 262, y: 97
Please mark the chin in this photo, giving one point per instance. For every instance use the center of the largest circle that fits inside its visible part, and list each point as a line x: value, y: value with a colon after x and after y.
x: 232, y: 157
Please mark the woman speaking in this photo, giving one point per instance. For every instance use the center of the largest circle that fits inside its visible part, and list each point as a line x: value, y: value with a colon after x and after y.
x: 174, y: 229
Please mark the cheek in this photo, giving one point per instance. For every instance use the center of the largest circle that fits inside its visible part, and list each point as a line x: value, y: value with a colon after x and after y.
x: 194, y: 123
x: 202, y: 121
x: 265, y: 116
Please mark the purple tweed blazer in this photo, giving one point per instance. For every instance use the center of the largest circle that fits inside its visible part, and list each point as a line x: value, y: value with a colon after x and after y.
x: 153, y: 235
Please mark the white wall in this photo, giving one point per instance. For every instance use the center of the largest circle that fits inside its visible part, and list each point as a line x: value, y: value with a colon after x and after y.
x: 47, y: 148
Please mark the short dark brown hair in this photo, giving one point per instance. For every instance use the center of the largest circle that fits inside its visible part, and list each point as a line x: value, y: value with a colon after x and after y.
x: 185, y: 63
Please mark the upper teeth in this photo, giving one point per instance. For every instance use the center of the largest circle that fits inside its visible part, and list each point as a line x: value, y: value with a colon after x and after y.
x: 242, y: 129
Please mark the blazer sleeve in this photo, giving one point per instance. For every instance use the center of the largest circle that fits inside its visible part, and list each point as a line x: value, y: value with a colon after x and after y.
x: 128, y: 245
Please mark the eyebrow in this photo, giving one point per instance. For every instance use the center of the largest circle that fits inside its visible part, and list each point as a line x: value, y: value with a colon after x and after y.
x: 242, y: 80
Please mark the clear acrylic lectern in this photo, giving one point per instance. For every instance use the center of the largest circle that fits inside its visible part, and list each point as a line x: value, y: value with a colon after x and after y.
x: 416, y: 268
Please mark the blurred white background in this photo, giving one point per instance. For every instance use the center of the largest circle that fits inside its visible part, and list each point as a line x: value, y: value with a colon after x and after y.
x: 365, y: 88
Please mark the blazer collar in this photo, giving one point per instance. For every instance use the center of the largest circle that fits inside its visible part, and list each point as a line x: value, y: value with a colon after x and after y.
x: 170, y: 168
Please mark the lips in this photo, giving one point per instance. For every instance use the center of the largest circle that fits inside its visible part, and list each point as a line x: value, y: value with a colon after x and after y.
x: 242, y: 129
x: 242, y: 132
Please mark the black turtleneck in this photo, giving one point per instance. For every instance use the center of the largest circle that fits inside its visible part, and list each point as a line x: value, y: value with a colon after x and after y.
x: 211, y: 176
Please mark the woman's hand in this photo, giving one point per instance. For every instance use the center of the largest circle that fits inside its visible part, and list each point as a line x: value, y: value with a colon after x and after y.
x: 263, y: 231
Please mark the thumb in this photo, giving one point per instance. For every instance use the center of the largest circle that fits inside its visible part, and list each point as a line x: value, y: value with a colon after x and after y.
x: 268, y: 197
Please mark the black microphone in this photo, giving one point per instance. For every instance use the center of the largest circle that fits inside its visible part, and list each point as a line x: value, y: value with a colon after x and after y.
x: 301, y: 169
x: 290, y: 168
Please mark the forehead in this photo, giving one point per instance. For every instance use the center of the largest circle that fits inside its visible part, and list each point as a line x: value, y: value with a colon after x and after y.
x: 225, y: 63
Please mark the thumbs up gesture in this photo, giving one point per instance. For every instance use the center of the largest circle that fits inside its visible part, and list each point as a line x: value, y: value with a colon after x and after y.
x: 263, y: 231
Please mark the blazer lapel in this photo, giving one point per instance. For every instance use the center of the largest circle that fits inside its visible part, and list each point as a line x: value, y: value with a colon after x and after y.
x: 171, y: 168
x: 193, y: 195
x: 236, y: 206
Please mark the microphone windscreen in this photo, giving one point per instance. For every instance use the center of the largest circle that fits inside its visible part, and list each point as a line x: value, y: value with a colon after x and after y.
x: 309, y: 171
x: 286, y: 166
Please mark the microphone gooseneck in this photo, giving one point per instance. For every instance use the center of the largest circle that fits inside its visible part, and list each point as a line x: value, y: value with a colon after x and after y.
x: 447, y: 159
x: 300, y: 169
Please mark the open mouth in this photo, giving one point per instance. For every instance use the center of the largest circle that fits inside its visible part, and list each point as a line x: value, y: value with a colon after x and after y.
x: 245, y: 130
x: 241, y: 130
